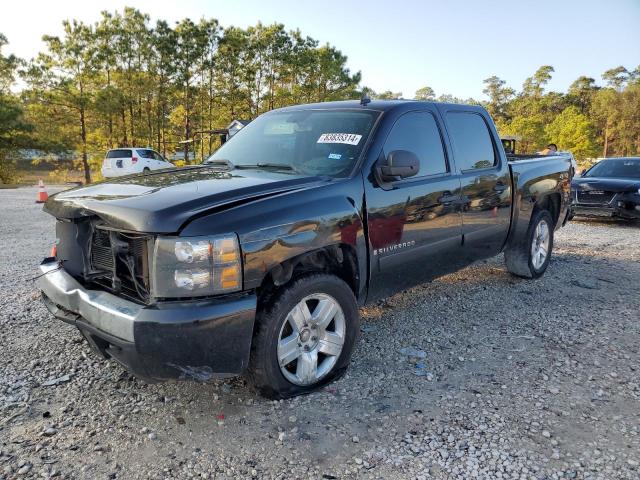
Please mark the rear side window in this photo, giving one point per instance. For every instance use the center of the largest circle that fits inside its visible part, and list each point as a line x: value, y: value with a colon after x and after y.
x: 471, y: 140
x: 418, y: 133
x: 120, y: 153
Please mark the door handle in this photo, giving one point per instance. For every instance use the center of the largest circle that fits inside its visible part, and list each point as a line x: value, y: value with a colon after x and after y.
x: 500, y: 187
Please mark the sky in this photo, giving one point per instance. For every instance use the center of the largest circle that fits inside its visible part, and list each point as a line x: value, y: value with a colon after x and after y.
x: 400, y: 45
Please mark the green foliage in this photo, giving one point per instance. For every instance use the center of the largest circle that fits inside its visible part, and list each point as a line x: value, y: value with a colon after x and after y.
x: 587, y: 120
x: 14, y: 130
x: 125, y: 82
x: 629, y: 130
x: 574, y: 131
x: 605, y: 111
x: 581, y: 93
x: 499, y: 97
x: 386, y: 95
x: 530, y: 130
x: 534, y: 86
x: 8, y: 66
x: 425, y: 93
x: 616, y: 77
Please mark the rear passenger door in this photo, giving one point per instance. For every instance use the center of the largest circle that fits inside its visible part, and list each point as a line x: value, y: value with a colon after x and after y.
x: 485, y: 180
x: 414, y: 224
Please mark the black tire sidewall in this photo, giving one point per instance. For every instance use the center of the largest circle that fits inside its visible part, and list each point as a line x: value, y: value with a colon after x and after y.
x: 539, y: 216
x: 266, y: 369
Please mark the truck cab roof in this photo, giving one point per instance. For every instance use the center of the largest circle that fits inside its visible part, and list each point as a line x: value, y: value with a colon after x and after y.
x: 379, y: 105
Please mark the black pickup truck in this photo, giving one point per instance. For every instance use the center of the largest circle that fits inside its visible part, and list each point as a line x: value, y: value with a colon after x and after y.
x: 256, y: 261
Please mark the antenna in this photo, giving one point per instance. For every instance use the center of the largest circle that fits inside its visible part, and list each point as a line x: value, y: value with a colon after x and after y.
x: 365, y: 100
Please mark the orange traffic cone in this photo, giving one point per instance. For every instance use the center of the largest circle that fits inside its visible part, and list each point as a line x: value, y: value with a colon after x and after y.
x: 42, y: 193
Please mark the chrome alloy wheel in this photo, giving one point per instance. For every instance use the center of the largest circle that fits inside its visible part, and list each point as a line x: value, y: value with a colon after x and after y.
x: 311, y: 339
x: 540, y: 245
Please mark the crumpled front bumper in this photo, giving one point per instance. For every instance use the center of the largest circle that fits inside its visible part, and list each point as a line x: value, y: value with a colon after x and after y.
x: 196, y: 339
x: 622, y: 205
x: 583, y: 210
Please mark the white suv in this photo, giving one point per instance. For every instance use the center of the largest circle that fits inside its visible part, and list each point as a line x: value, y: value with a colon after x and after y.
x: 127, y: 161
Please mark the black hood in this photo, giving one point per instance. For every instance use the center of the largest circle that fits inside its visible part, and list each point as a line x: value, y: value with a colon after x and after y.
x: 164, y: 202
x: 607, y: 184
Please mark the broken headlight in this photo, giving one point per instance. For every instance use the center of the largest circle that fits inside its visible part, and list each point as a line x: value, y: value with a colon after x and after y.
x: 195, y: 266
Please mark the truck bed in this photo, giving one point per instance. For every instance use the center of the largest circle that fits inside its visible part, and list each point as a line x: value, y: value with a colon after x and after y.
x: 536, y: 176
x: 512, y: 157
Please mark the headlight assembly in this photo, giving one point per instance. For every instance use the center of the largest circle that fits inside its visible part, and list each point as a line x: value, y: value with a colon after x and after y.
x: 195, y: 266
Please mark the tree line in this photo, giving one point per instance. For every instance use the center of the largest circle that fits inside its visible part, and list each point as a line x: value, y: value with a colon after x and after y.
x: 123, y: 81
x: 588, y: 120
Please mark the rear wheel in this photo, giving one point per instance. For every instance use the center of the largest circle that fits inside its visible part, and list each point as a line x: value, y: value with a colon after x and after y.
x: 530, y: 258
x: 305, y: 338
x: 146, y: 170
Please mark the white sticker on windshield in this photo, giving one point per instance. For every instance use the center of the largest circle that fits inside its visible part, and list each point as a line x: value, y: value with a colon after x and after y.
x: 347, y: 138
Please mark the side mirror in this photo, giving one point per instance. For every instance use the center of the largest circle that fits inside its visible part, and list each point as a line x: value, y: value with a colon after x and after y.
x: 397, y: 165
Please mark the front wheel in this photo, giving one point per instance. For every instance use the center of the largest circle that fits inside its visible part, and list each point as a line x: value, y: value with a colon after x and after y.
x: 305, y: 338
x: 530, y: 258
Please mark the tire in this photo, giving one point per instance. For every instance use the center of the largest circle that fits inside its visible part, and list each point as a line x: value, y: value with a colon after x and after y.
x: 331, y: 316
x: 521, y: 259
x: 146, y: 171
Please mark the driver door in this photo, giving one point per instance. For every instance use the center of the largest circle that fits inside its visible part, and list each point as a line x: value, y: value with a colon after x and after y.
x: 414, y: 224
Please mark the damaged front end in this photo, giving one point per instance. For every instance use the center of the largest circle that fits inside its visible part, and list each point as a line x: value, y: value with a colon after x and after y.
x: 623, y: 205
x: 99, y: 281
x: 101, y: 257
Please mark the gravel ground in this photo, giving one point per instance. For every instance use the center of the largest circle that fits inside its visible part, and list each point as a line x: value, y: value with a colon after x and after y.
x: 505, y: 378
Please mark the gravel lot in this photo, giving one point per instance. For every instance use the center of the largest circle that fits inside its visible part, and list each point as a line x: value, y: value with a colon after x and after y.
x: 520, y: 379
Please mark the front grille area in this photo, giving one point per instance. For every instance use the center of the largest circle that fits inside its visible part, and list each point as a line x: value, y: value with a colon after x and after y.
x: 591, y: 198
x: 101, y: 255
x: 119, y: 263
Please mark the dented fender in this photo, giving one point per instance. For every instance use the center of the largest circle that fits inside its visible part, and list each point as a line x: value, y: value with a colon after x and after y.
x: 271, y: 232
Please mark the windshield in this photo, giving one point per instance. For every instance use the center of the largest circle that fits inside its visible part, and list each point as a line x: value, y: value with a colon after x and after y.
x: 618, y: 168
x: 306, y: 142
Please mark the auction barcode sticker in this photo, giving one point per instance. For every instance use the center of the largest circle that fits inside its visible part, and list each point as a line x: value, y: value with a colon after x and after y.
x: 348, y: 138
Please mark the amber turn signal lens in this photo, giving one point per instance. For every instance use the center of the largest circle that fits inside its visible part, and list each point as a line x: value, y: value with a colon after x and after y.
x: 54, y: 251
x: 226, y: 249
x: 230, y: 277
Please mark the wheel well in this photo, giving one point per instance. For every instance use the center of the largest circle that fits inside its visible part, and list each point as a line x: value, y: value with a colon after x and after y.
x: 551, y: 203
x: 338, y: 260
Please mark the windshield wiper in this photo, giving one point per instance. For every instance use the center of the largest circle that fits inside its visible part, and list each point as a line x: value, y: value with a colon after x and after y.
x: 274, y: 166
x: 221, y: 163
x: 266, y: 165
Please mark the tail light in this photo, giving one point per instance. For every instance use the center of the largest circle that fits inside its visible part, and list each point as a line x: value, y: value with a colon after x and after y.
x: 134, y: 159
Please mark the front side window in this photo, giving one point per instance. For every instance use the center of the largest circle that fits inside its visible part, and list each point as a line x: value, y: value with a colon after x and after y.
x: 304, y: 142
x: 471, y: 141
x: 418, y: 133
x: 146, y: 154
